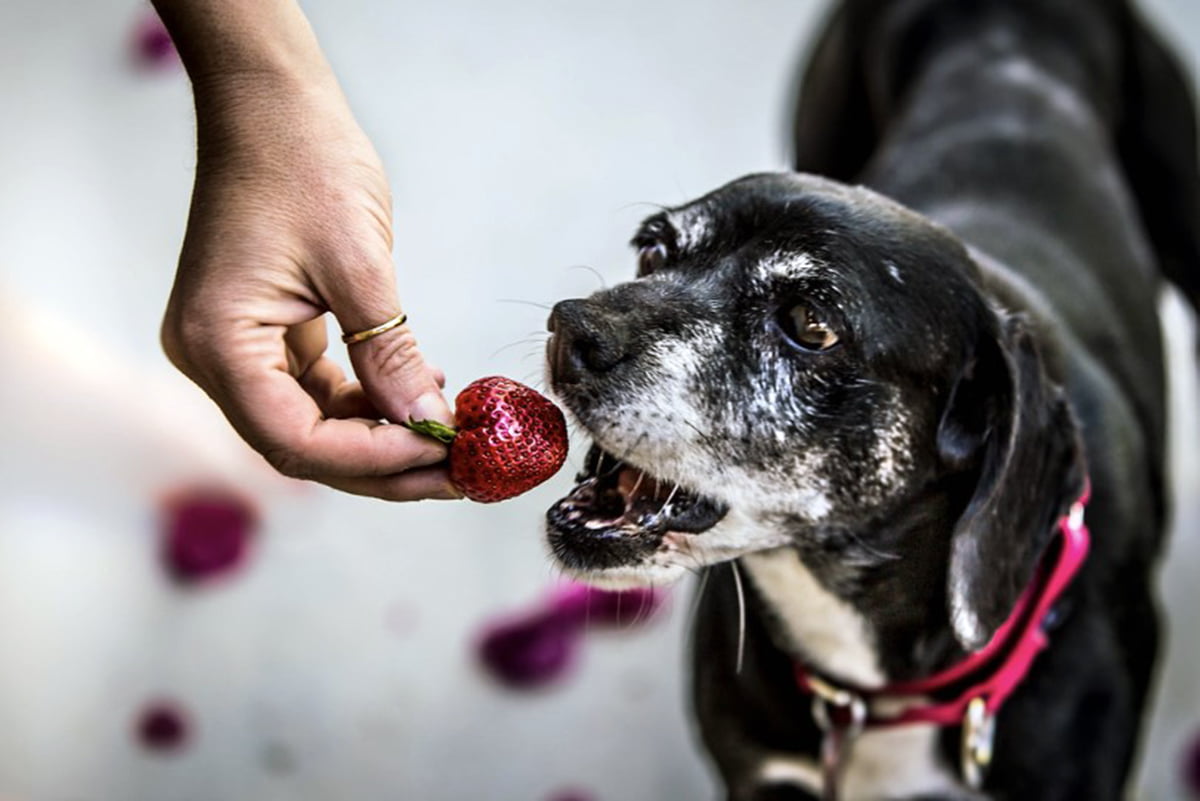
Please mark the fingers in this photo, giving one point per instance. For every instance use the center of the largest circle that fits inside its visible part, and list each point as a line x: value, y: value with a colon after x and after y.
x: 429, y: 482
x: 321, y: 427
x: 334, y: 395
x: 321, y: 377
x: 284, y: 423
x: 390, y: 366
x: 397, y: 379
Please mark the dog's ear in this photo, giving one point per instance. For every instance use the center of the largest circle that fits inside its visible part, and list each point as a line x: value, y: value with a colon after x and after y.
x: 1156, y: 140
x: 1008, y: 423
x: 833, y: 133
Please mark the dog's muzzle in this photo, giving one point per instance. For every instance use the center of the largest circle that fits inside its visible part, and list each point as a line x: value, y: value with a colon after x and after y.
x: 618, y: 515
x: 588, y: 341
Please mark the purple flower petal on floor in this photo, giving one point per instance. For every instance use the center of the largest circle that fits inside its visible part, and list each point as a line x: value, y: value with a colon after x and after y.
x: 162, y: 726
x: 206, y: 534
x: 573, y: 794
x: 596, y: 607
x: 529, y: 651
x: 624, y: 608
x: 1191, y: 767
x: 151, y: 44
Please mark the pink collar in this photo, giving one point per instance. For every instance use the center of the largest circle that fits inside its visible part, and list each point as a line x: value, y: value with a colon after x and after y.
x: 987, y: 677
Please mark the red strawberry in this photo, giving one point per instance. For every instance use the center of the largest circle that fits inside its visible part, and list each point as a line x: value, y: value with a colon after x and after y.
x: 509, y: 439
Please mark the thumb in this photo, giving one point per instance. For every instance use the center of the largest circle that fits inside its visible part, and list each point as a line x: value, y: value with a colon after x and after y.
x: 394, y: 374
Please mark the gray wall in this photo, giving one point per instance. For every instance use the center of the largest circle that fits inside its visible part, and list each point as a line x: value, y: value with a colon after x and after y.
x: 522, y: 140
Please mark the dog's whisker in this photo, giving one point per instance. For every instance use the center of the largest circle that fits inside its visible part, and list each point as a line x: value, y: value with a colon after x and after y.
x: 695, y: 610
x: 620, y: 462
x: 642, y: 204
x: 636, y: 442
x: 643, y: 612
x: 521, y: 302
x: 741, y: 596
x: 533, y: 354
x: 707, y: 440
x: 638, y: 483
x: 528, y: 340
x: 593, y: 271
x: 886, y: 556
x: 666, y: 506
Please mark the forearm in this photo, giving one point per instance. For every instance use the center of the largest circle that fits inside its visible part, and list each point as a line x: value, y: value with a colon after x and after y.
x: 261, y: 83
x: 223, y: 39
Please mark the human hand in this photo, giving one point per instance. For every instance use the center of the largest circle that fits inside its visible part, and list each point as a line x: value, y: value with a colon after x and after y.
x: 291, y: 218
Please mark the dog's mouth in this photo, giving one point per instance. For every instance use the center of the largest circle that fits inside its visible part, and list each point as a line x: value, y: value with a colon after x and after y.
x: 619, y: 516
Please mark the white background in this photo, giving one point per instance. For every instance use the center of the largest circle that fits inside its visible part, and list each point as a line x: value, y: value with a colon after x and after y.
x: 523, y: 140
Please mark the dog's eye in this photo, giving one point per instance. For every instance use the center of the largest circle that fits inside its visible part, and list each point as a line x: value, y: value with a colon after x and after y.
x: 807, y: 328
x: 651, y: 258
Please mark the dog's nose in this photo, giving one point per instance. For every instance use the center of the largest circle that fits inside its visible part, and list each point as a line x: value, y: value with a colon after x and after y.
x: 587, y: 339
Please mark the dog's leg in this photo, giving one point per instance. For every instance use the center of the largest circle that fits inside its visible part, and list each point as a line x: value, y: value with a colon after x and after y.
x: 753, y: 721
x: 777, y: 792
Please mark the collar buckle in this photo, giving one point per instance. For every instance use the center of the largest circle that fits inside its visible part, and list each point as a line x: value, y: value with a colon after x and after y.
x: 840, y: 715
x: 978, y: 737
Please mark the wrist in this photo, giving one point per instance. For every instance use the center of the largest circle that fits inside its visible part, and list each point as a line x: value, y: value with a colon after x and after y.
x: 230, y: 46
x: 267, y: 116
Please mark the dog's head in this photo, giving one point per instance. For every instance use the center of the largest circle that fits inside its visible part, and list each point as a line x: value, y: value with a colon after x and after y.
x: 797, y: 363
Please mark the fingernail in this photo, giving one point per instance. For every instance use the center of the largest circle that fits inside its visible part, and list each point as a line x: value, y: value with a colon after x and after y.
x: 449, y: 493
x: 431, y: 406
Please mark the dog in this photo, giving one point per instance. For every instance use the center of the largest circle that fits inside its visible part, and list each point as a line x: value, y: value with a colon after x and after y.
x: 866, y: 398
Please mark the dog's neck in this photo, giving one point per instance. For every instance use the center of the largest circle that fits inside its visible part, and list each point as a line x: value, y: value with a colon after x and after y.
x: 846, y: 605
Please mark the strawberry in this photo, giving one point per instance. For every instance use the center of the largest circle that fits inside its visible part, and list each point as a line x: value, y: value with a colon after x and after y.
x: 509, y: 438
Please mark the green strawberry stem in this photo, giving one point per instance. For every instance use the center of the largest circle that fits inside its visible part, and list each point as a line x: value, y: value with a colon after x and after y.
x: 432, y: 428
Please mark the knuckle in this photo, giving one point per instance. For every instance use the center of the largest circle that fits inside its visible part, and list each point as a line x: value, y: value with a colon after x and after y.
x: 395, y: 354
x: 288, y: 462
x: 402, y: 495
x: 171, y: 341
x: 186, y: 339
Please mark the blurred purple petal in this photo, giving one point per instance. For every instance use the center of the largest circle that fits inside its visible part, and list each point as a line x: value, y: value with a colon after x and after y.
x: 622, y: 608
x: 529, y: 652
x: 162, y: 726
x: 151, y: 43
x: 1191, y: 767
x: 206, y: 534
x: 573, y: 794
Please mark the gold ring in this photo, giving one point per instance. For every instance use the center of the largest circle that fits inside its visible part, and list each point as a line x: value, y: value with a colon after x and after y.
x: 363, y: 336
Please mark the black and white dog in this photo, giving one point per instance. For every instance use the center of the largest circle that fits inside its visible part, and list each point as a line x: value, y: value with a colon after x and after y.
x: 876, y: 404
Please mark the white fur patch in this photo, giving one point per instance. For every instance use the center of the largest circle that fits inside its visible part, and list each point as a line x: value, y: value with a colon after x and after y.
x: 693, y: 229
x: 893, y: 448
x: 786, y: 265
x: 791, y: 770
x: 898, y: 762
x: 827, y: 630
x: 662, y: 429
x: 882, y: 763
x: 894, y: 272
x: 730, y: 538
